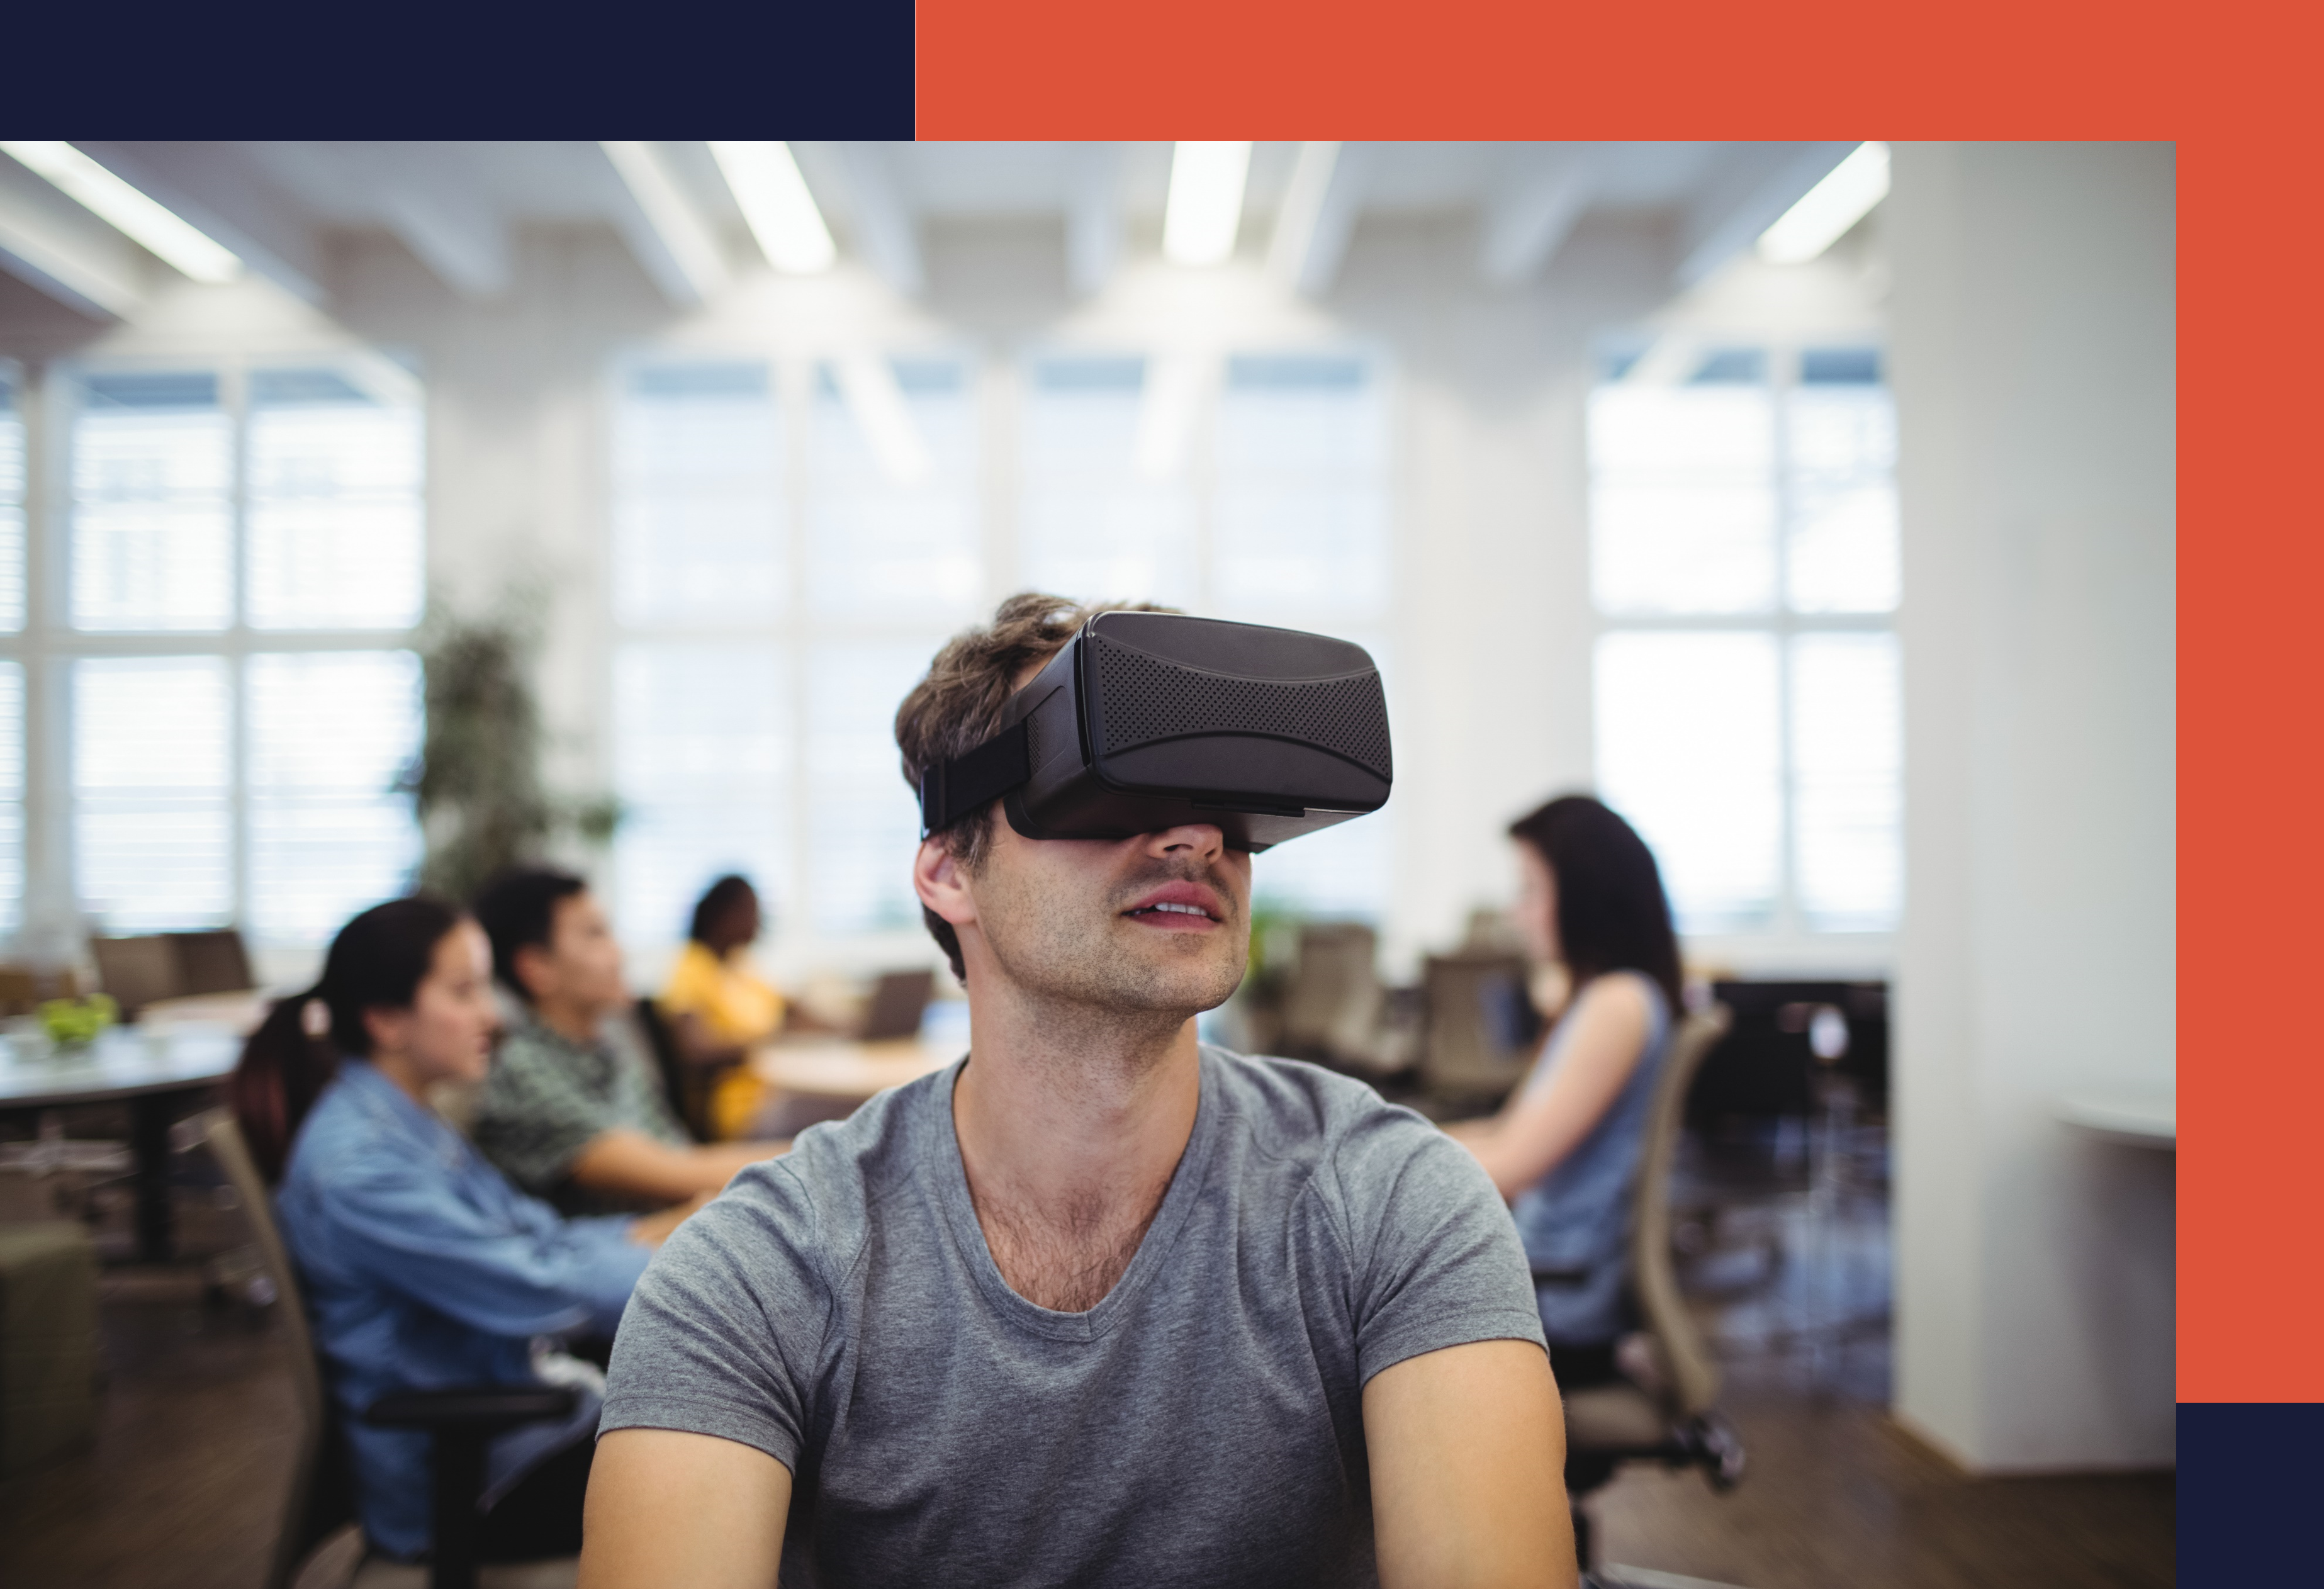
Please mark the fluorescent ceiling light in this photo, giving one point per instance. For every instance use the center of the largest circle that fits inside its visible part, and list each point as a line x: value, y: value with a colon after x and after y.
x: 1205, y: 205
x: 1845, y: 196
x: 767, y: 184
x: 128, y: 211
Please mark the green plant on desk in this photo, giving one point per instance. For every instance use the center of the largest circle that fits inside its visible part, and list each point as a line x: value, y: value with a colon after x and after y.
x: 73, y: 1023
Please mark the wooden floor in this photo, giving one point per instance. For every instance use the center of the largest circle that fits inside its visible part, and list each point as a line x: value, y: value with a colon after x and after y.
x: 1838, y: 1498
x: 181, y: 1487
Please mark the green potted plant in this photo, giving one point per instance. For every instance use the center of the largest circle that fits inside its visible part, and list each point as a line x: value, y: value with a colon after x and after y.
x: 477, y: 783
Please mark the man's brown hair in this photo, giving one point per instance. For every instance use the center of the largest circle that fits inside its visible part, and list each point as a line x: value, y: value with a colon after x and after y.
x: 957, y: 707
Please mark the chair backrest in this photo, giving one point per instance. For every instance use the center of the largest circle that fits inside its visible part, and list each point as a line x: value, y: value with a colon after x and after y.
x: 212, y: 962
x: 1331, y: 1006
x: 137, y: 971
x: 687, y: 1086
x: 1479, y: 1021
x: 1689, y: 1376
x: 321, y: 1497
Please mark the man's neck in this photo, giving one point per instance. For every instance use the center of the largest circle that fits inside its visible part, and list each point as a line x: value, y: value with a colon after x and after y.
x: 1070, y: 1121
x: 577, y: 1023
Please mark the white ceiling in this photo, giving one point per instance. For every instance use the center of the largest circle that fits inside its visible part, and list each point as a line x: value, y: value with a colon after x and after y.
x: 457, y: 204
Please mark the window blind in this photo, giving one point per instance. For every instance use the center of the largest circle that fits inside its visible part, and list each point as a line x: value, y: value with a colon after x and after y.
x: 702, y: 766
x: 1682, y: 499
x: 335, y: 534
x: 880, y: 542
x: 1301, y: 517
x: 1690, y: 749
x: 698, y: 510
x: 152, y: 475
x: 330, y: 734
x: 152, y: 779
x: 1088, y: 525
x: 1845, y: 554
x: 1848, y: 802
x: 864, y: 820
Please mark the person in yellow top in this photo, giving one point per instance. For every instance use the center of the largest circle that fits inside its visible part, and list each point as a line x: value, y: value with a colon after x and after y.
x: 717, y: 1006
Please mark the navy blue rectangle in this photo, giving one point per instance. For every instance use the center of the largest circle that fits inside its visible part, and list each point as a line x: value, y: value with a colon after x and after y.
x: 2250, y: 1473
x: 764, y: 69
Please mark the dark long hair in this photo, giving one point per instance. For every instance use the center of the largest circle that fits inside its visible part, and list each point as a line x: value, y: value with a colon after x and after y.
x: 1612, y: 914
x: 377, y: 962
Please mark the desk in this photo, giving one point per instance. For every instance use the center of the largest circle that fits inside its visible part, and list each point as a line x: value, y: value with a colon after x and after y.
x: 850, y: 1071
x: 2136, y: 1120
x: 153, y: 1073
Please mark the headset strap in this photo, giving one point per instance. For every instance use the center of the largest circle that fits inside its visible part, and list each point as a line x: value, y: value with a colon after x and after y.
x: 950, y: 791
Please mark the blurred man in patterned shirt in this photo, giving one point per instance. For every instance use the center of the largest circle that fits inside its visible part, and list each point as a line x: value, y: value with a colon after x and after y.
x: 568, y: 1113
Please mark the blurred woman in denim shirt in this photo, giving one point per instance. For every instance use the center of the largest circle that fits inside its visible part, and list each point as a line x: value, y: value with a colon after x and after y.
x: 423, y: 1268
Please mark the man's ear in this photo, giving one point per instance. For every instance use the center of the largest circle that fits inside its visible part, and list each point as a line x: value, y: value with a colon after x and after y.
x: 942, y: 882
x: 532, y: 963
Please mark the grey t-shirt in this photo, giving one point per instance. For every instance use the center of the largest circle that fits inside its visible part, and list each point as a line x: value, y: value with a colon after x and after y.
x: 838, y: 1309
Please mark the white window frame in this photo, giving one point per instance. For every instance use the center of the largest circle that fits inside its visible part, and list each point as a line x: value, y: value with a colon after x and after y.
x: 49, y: 644
x: 1787, y: 943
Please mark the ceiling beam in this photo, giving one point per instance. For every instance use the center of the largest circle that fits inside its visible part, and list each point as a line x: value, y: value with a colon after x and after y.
x: 1532, y: 210
x: 1093, y: 219
x: 424, y: 193
x: 1757, y: 185
x: 1318, y: 214
x: 886, y: 233
x: 665, y: 231
x: 220, y: 189
x: 53, y: 244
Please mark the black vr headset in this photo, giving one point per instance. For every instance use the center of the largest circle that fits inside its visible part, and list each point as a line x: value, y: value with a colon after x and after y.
x: 1151, y: 720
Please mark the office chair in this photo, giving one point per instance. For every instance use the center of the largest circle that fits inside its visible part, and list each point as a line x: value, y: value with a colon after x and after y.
x: 1481, y: 1027
x: 1673, y: 1423
x: 215, y: 962
x: 137, y: 971
x: 687, y: 1086
x: 1333, y: 1002
x: 322, y: 1498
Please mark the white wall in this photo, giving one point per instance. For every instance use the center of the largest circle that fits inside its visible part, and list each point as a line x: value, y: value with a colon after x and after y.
x: 2033, y: 327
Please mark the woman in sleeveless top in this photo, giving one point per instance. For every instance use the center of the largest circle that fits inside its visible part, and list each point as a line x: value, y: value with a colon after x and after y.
x: 1564, y: 1149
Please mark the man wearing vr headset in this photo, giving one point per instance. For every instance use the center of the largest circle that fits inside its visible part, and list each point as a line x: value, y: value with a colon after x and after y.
x: 1100, y: 1303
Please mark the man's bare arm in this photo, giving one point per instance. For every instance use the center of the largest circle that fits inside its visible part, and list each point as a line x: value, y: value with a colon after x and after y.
x: 667, y: 1507
x: 634, y: 1164
x: 1468, y: 1459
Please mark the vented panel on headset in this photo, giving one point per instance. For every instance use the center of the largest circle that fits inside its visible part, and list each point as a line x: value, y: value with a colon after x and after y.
x: 1145, y: 699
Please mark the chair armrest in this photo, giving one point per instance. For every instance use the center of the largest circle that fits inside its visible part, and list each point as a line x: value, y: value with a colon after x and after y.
x: 471, y: 1406
x: 462, y: 1420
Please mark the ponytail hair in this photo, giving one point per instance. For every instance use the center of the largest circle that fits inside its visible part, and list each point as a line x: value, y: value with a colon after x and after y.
x: 377, y: 962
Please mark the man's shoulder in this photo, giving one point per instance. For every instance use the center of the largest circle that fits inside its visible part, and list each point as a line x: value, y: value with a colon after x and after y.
x: 1292, y: 1108
x: 532, y: 1060
x: 837, y: 1172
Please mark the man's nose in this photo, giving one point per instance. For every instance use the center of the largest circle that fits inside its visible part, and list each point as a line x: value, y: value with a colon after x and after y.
x: 1201, y: 839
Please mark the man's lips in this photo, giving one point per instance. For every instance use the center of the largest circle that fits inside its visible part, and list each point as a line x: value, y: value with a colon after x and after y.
x: 1180, y: 906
